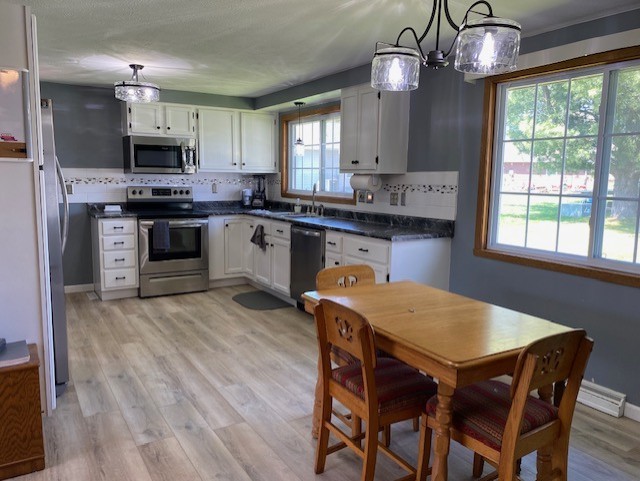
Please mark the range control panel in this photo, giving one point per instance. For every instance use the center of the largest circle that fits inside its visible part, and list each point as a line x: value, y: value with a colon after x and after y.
x: 162, y: 193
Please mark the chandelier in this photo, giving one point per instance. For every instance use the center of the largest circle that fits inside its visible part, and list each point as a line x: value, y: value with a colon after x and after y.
x: 136, y: 91
x: 487, y: 46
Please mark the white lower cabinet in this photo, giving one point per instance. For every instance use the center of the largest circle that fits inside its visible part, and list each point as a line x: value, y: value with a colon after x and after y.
x: 115, y: 257
x: 233, y: 246
x: 422, y: 260
x: 281, y: 257
x: 262, y: 257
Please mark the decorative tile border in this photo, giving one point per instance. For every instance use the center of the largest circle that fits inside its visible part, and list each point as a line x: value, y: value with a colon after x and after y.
x: 424, y: 188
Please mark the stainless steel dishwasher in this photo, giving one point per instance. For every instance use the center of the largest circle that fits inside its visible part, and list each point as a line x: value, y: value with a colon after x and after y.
x: 307, y: 258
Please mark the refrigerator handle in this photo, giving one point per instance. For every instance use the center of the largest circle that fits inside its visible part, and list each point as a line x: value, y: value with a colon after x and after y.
x: 65, y: 203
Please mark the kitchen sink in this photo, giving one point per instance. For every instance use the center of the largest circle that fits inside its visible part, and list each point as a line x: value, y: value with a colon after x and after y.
x: 296, y: 215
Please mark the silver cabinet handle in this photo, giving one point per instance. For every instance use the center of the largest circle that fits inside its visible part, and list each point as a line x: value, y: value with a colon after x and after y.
x: 331, y: 243
x: 119, y: 260
x: 121, y: 278
x: 363, y: 250
x: 118, y: 243
x: 118, y: 227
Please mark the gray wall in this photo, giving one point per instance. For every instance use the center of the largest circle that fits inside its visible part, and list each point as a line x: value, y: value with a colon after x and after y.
x: 87, y: 125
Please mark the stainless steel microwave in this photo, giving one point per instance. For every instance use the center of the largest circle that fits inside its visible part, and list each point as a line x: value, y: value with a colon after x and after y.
x: 159, y: 155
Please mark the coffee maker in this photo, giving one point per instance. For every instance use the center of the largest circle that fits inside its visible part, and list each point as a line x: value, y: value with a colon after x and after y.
x: 247, y: 197
x: 259, y: 195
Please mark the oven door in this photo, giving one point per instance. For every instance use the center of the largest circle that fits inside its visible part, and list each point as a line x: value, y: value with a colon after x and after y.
x: 188, y: 248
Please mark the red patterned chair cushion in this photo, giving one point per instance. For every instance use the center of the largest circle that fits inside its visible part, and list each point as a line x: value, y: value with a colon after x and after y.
x: 480, y: 411
x: 399, y: 386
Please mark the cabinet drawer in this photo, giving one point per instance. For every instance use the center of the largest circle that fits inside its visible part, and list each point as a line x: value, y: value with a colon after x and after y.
x: 333, y: 243
x: 371, y: 251
x: 117, y: 227
x: 118, y: 260
x: 113, y: 242
x: 281, y: 229
x: 119, y: 278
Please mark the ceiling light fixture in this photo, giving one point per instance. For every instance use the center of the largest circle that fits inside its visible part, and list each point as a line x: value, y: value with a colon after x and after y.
x: 136, y: 91
x: 487, y: 46
x: 298, y: 145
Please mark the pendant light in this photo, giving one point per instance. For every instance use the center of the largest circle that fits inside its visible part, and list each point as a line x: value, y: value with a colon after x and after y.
x: 487, y: 46
x: 136, y: 91
x: 298, y: 145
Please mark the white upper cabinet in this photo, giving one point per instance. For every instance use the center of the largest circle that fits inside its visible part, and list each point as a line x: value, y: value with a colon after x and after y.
x: 218, y: 140
x: 236, y: 141
x: 374, y: 130
x: 159, y: 120
x: 257, y: 133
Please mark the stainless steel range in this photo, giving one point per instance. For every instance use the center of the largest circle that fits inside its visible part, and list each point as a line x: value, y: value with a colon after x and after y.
x: 172, y: 240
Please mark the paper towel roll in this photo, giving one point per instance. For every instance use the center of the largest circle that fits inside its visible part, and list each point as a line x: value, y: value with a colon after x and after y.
x: 366, y: 182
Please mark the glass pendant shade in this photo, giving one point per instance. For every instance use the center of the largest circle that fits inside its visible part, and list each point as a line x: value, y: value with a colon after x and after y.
x: 488, y: 46
x: 135, y: 91
x: 395, y: 69
x: 298, y: 147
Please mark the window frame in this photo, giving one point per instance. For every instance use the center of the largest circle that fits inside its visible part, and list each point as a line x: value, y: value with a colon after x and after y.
x: 285, y: 120
x: 564, y: 263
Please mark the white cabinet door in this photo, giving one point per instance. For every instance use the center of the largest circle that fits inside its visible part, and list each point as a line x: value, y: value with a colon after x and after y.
x: 179, y: 121
x: 262, y: 263
x: 367, y: 129
x: 281, y: 264
x: 332, y: 260
x: 248, y: 248
x: 217, y: 136
x: 380, y: 270
x: 257, y: 133
x: 349, y: 129
x: 146, y: 119
x: 233, y: 249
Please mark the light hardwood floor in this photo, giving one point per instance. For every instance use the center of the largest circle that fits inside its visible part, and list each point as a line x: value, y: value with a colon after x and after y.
x: 195, y: 387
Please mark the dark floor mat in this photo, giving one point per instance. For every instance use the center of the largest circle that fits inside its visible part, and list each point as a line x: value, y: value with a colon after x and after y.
x: 259, y: 301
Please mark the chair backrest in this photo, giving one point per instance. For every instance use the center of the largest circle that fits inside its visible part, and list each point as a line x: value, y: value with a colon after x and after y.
x: 345, y: 276
x: 554, y: 359
x: 338, y: 326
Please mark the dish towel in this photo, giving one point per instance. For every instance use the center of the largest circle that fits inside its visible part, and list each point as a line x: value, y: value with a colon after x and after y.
x: 161, y: 238
x: 258, y: 237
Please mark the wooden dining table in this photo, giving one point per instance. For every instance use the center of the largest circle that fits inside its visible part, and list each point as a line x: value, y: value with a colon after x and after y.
x: 453, y: 338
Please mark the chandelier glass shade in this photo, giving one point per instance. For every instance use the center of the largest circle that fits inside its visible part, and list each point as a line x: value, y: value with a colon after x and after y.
x: 487, y: 46
x: 135, y: 91
x: 298, y: 145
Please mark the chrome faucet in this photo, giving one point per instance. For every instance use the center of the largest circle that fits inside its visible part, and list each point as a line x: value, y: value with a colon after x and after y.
x: 313, y: 199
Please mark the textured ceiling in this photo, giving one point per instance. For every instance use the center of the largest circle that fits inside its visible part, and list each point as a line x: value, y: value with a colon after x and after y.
x: 250, y: 47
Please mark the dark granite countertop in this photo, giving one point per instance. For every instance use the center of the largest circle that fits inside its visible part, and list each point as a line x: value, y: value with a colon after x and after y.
x: 380, y: 226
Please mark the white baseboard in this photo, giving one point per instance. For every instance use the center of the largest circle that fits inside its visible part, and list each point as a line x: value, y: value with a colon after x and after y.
x: 632, y: 412
x: 78, y: 288
x: 602, y: 398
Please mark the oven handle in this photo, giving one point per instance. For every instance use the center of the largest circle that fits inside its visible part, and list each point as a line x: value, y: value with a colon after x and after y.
x: 177, y: 223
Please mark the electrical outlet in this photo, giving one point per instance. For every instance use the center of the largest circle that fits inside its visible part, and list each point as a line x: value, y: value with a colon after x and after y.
x: 369, y: 197
x: 393, y: 198
x: 403, y: 198
x: 214, y: 188
x: 69, y: 188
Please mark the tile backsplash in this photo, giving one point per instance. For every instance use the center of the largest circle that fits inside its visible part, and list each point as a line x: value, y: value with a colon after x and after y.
x: 427, y: 194
x: 110, y: 185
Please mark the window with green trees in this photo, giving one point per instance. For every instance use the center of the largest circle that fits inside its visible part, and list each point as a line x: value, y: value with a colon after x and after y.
x: 565, y: 180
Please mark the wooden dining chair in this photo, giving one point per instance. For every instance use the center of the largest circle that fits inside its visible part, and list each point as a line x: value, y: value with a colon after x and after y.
x: 503, y: 423
x: 349, y: 276
x: 380, y: 391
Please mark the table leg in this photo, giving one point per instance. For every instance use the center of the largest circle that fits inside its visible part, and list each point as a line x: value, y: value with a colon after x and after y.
x: 543, y: 460
x: 442, y: 434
